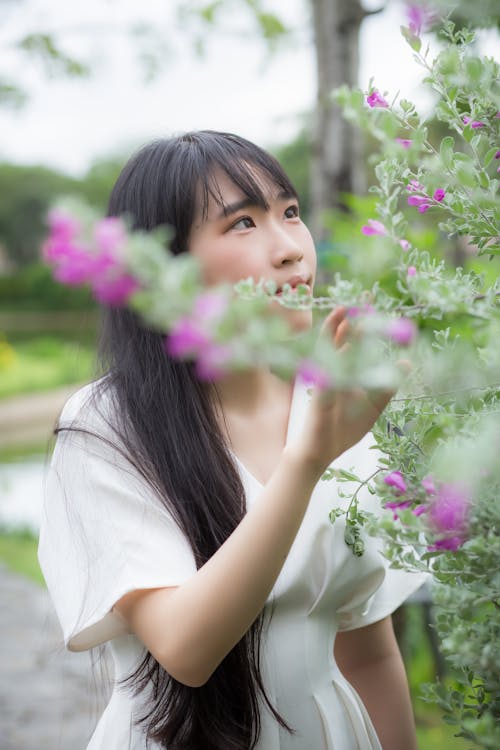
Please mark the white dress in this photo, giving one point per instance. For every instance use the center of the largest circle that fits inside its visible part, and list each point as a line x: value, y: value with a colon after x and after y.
x: 104, y: 533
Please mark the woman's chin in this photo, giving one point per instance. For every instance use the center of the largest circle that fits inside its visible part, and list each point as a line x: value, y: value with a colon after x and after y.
x: 299, y: 321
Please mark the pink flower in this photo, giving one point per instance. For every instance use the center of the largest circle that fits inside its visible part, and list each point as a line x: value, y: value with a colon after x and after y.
x: 428, y: 485
x: 397, y: 506
x: 73, y: 266
x: 405, y: 245
x: 497, y: 155
x: 473, y: 123
x: 373, y: 227
x: 395, y: 479
x: 451, y: 543
x: 420, y: 18
x: 449, y: 515
x: 186, y: 338
x: 450, y: 508
x: 412, y: 271
x: 439, y: 194
x: 210, y: 306
x: 404, y: 142
x: 313, y: 375
x: 418, y: 200
x: 414, y: 186
x: 115, y: 288
x: 110, y: 235
x: 212, y: 361
x: 402, y: 331
x: 62, y: 226
x: 375, y: 99
x: 419, y: 509
x: 366, y: 309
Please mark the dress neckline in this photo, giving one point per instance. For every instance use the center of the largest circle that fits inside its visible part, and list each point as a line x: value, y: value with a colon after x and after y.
x: 294, y: 403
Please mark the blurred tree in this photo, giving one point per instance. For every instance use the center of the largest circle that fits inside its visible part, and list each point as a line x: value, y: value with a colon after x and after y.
x: 26, y: 195
x: 96, y: 185
x: 337, y: 164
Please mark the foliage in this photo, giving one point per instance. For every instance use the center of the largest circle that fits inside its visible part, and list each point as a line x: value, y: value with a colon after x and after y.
x: 18, y: 549
x: 28, y: 191
x: 44, y: 362
x: 445, y: 432
x: 33, y: 288
x: 268, y: 24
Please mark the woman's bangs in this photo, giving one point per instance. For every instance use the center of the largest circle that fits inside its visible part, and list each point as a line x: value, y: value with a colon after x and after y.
x: 252, y: 174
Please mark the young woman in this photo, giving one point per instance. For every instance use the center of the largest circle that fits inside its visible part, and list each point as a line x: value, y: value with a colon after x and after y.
x: 185, y: 522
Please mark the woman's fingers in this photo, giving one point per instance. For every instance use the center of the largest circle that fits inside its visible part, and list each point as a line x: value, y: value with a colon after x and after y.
x: 333, y: 320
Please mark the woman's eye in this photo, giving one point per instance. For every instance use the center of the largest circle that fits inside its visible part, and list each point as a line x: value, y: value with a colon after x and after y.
x: 244, y: 223
x: 292, y: 212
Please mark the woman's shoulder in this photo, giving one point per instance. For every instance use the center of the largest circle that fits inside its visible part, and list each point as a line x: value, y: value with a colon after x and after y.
x: 89, y: 407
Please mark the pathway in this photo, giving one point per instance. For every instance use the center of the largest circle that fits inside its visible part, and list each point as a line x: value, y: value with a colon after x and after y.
x: 48, y: 698
x: 29, y: 419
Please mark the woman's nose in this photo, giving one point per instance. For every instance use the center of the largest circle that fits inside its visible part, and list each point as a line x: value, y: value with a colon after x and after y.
x: 286, y: 249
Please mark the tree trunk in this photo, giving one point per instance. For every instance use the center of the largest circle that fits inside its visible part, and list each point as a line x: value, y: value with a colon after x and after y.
x: 337, y: 149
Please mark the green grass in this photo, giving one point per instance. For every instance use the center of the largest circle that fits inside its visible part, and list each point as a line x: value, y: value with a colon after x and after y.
x: 44, y: 362
x: 434, y: 734
x: 18, y: 551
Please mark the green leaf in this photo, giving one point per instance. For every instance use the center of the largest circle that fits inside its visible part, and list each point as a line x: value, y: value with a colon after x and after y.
x: 446, y: 151
x: 347, y: 475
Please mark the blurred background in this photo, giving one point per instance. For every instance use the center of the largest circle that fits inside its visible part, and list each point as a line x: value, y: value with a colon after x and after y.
x: 81, y: 87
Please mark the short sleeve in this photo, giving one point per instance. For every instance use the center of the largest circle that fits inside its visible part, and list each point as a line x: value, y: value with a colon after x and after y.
x: 104, y: 533
x: 396, y: 587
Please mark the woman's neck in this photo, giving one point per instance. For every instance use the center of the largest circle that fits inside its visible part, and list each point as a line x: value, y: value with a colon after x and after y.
x: 248, y: 392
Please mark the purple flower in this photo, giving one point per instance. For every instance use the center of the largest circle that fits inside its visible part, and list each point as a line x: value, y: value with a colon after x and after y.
x: 405, y: 245
x: 449, y: 510
x: 212, y: 361
x: 375, y: 99
x: 412, y: 271
x: 451, y: 543
x: 114, y: 288
x: 373, y: 227
x: 397, y: 506
x: 497, y: 155
x: 402, y: 331
x: 414, y: 186
x: 186, y: 338
x: 404, y: 142
x: 110, y: 236
x: 62, y: 226
x: 210, y: 306
x: 314, y: 375
x: 428, y: 485
x: 439, y: 194
x: 473, y: 123
x: 419, y: 509
x: 73, y: 266
x: 395, y: 479
x: 420, y: 18
x: 418, y: 200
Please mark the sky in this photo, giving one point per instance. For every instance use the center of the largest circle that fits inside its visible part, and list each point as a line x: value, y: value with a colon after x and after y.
x: 235, y: 86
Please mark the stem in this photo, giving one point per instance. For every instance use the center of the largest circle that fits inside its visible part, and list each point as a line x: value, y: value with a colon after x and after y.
x: 361, y: 484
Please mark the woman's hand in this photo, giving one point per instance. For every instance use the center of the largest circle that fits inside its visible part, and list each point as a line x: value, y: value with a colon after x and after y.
x: 337, y: 419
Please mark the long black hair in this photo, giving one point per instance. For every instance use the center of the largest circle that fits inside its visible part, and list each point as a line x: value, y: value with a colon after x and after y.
x: 166, y: 420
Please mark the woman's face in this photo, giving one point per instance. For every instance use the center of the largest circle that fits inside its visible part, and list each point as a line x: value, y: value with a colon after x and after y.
x: 238, y: 239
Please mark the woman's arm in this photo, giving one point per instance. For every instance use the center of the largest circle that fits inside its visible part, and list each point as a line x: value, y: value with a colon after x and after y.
x: 191, y: 628
x: 369, y: 658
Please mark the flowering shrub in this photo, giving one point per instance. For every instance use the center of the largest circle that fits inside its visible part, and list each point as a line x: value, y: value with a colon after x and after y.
x: 439, y: 438
x: 439, y: 472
